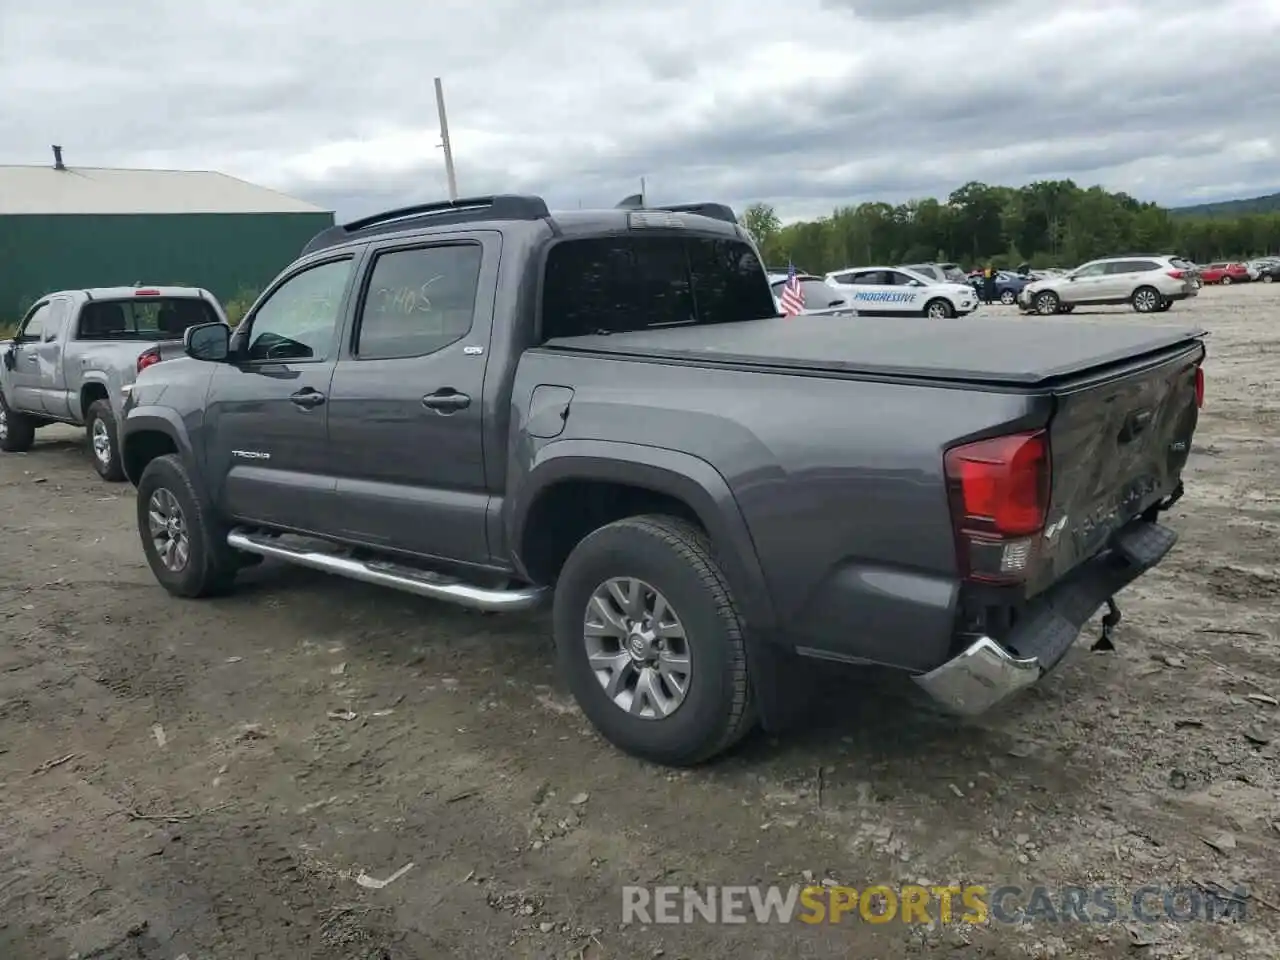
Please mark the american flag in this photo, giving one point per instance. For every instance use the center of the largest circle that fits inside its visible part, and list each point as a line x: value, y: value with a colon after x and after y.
x: 792, y: 294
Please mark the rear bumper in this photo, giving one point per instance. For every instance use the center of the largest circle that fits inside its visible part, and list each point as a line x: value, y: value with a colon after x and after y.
x: 987, y: 672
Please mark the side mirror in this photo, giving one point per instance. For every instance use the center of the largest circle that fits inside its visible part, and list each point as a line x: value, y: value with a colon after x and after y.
x: 207, y: 341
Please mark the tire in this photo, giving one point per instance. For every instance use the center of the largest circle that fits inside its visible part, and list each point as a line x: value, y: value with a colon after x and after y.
x: 104, y: 441
x: 1008, y: 297
x: 939, y: 309
x: 1268, y: 278
x: 17, y: 432
x: 210, y: 565
x: 674, y: 559
x: 1226, y: 281
x: 1046, y: 303
x: 1146, y: 300
x: 1165, y: 306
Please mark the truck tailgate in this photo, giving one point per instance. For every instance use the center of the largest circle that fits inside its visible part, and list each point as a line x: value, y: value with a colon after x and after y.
x: 1118, y: 443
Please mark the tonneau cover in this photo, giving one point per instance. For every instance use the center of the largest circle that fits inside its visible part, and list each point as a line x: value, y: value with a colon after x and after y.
x: 1023, y: 352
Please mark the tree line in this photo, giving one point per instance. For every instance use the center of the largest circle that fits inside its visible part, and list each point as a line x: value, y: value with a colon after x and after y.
x: 1051, y: 223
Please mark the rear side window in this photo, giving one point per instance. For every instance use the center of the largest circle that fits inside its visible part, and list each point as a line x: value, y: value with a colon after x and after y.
x: 145, y: 318
x: 619, y: 284
x: 418, y: 301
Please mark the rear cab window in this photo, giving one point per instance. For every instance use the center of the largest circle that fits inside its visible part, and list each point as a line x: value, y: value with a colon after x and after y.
x: 144, y: 319
x: 618, y: 284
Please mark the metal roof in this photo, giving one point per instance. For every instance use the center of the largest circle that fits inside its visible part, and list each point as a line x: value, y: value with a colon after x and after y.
x: 99, y: 190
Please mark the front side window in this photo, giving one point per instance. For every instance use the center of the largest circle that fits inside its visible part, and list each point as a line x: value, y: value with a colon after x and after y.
x: 36, y: 323
x: 621, y: 284
x: 1091, y: 270
x: 419, y: 301
x: 297, y: 321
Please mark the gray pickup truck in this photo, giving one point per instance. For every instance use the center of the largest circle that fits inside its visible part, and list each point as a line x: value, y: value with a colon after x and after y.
x: 489, y: 403
x: 77, y: 352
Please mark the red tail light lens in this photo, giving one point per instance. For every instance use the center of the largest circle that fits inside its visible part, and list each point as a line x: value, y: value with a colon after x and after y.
x: 147, y: 358
x: 1177, y: 274
x: 146, y: 293
x: 999, y: 492
x: 1199, y: 387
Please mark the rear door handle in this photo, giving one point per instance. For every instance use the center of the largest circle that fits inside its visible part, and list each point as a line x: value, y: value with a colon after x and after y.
x: 446, y: 400
x: 307, y: 398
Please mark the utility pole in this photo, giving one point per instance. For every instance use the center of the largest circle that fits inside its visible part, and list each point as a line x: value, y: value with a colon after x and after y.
x: 444, y: 141
x: 642, y: 191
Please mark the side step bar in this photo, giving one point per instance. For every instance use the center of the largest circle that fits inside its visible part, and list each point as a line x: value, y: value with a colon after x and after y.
x: 424, y: 583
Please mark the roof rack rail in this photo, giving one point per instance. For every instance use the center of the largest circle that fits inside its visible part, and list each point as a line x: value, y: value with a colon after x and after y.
x: 462, y: 210
x: 715, y: 211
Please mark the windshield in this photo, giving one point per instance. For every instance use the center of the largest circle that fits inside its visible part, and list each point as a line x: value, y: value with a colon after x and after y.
x: 620, y: 284
x: 150, y: 318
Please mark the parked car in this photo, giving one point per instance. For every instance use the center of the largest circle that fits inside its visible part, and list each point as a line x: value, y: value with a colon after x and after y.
x: 1224, y: 273
x: 1008, y: 285
x: 897, y: 291
x: 1268, y: 269
x: 609, y: 415
x: 938, y: 272
x: 819, y: 297
x: 77, y: 351
x: 1150, y: 285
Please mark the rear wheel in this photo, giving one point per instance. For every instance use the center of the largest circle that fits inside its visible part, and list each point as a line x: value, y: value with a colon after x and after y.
x: 1047, y: 303
x: 1268, y: 278
x: 17, y: 432
x: 939, y: 309
x: 1226, y: 280
x: 1146, y: 300
x: 649, y: 641
x: 184, y: 544
x: 104, y: 443
x: 1007, y: 297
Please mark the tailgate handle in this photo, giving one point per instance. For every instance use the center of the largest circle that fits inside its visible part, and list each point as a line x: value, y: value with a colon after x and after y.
x: 1134, y: 425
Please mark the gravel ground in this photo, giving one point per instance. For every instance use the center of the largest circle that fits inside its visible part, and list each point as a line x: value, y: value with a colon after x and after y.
x: 189, y: 778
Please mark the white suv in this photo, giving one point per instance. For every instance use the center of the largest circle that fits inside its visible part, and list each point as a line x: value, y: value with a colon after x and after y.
x: 898, y: 292
x: 1150, y: 284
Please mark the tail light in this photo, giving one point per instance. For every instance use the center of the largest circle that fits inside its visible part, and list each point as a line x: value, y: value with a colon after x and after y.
x: 148, y: 358
x: 1177, y: 274
x: 1199, y: 387
x: 146, y: 293
x: 999, y: 496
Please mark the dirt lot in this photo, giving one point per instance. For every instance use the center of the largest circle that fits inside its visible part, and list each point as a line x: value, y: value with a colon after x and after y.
x: 177, y: 778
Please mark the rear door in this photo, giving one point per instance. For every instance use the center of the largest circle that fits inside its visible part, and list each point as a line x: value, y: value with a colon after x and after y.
x: 1123, y: 277
x: 266, y: 415
x: 406, y: 412
x: 1119, y: 444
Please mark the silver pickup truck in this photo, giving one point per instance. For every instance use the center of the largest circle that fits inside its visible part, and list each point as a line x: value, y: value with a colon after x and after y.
x: 77, y: 352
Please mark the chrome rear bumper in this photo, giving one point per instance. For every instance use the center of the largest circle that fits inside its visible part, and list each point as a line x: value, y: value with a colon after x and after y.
x: 977, y: 679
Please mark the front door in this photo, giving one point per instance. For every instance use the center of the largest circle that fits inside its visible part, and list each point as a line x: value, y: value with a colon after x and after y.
x: 406, y: 407
x: 1088, y: 284
x: 24, y: 359
x: 266, y: 415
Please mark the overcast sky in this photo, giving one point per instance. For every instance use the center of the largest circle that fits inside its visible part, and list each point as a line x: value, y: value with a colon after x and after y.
x: 805, y: 104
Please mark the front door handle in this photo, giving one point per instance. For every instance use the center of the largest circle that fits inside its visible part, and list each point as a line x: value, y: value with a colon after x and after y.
x: 446, y: 400
x: 307, y: 398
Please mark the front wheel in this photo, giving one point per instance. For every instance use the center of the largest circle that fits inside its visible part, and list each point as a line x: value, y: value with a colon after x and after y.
x: 1226, y: 281
x: 1007, y: 297
x: 650, y: 642
x: 17, y: 432
x: 939, y: 310
x: 1047, y: 303
x: 1268, y: 278
x: 1146, y: 300
x: 104, y: 444
x: 185, y: 546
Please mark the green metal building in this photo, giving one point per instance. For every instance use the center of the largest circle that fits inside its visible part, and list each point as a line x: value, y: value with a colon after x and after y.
x: 72, y: 227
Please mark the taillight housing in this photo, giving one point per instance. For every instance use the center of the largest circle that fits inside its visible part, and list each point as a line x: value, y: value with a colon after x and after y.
x: 1176, y: 274
x: 999, y: 496
x: 148, y: 358
x: 1199, y: 387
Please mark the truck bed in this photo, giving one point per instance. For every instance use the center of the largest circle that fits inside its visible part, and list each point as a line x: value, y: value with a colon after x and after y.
x: 1026, y: 353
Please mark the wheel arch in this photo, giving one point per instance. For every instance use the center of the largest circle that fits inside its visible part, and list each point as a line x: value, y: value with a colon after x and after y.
x: 147, y: 433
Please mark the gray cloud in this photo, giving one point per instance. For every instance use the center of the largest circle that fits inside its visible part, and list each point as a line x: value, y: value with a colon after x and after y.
x: 808, y: 105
